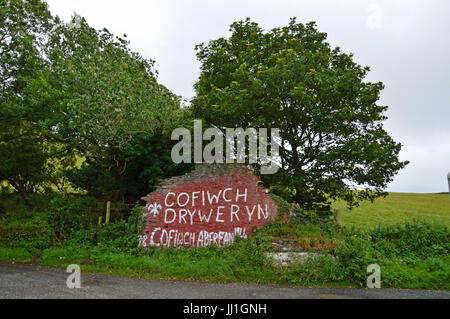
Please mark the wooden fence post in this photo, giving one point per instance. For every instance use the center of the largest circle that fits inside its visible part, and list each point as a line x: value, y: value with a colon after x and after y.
x: 108, y: 211
x: 337, y: 217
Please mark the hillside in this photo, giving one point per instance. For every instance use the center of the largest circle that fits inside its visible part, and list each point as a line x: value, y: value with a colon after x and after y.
x: 397, y: 208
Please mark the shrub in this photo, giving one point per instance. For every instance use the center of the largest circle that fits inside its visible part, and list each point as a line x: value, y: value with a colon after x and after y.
x: 118, y: 235
x: 420, y: 238
x: 34, y: 235
x: 354, y: 256
x: 69, y: 215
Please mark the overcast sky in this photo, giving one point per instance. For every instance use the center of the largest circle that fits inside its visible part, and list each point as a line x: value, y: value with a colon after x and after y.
x: 406, y: 44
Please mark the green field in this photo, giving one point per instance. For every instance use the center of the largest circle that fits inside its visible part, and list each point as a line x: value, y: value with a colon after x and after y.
x: 397, y: 208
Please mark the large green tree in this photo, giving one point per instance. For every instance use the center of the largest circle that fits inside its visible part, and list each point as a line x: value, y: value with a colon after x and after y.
x: 100, y: 92
x: 68, y: 89
x: 331, y: 127
x: 112, y: 111
x: 25, y: 26
x: 109, y: 108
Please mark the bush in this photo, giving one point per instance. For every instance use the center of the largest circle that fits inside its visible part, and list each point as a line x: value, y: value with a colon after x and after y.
x: 249, y: 251
x: 354, y: 256
x: 118, y: 235
x: 404, y: 252
x: 69, y: 215
x: 121, y: 235
x: 34, y: 235
x: 420, y: 239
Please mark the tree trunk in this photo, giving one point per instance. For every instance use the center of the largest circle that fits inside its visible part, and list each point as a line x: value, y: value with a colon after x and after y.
x: 298, y: 197
x: 22, y: 192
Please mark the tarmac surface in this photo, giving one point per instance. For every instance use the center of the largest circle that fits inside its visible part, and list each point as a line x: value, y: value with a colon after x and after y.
x: 38, y: 282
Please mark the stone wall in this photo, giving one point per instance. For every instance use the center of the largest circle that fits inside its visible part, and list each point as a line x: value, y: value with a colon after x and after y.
x: 210, y: 205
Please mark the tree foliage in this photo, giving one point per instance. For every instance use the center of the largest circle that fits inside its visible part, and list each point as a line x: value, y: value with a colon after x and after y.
x: 69, y: 90
x: 135, y: 170
x: 332, y: 137
x: 24, y: 32
x: 104, y: 93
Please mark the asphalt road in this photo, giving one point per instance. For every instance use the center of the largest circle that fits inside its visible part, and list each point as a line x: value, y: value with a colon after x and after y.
x: 31, y: 281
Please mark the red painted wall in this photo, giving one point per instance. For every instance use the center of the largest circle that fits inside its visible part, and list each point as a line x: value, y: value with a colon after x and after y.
x: 207, y: 210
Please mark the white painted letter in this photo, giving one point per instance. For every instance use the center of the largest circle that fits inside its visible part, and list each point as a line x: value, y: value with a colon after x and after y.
x: 174, y: 215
